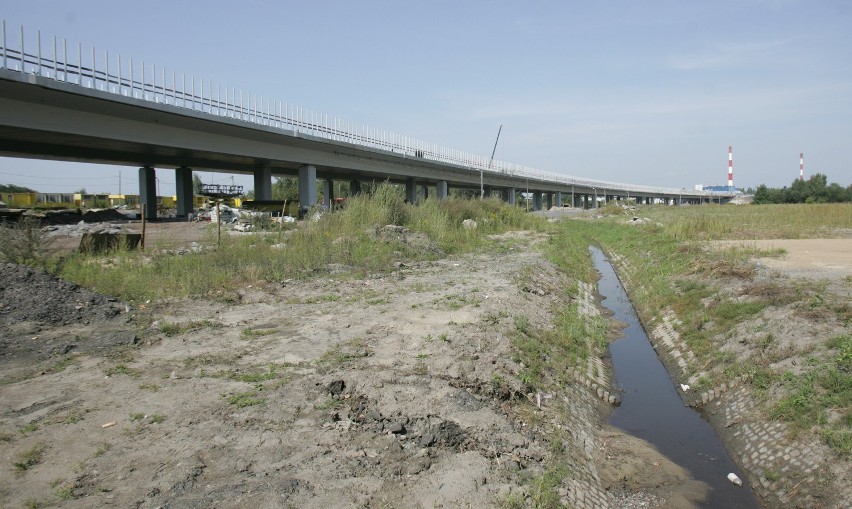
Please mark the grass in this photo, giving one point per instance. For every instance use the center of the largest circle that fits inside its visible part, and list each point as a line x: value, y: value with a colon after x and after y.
x: 176, y: 329
x: 751, y: 222
x: 669, y: 269
x: 245, y: 399
x: 121, y: 369
x: 546, y: 353
x: 256, y: 333
x: 29, y: 458
x: 343, y: 238
x: 28, y: 429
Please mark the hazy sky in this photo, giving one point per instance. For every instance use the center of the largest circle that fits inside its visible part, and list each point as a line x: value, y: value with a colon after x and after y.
x: 648, y: 92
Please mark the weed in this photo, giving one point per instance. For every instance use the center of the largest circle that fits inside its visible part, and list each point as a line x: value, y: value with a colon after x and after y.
x: 137, y: 416
x: 70, y: 417
x: 64, y: 492
x: 444, y: 338
x: 175, y: 329
x: 522, y: 325
x: 150, y: 387
x: 156, y: 419
x: 121, y: 369
x: 543, y: 493
x: 102, y: 449
x: 245, y: 399
x: 339, y: 238
x: 30, y: 458
x: 5, y: 437
x: 256, y: 333
x: 26, y: 429
x: 843, y: 357
x: 26, y: 243
x: 494, y: 318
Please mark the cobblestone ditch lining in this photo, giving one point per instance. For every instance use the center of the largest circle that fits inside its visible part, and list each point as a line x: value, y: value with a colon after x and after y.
x: 785, y: 473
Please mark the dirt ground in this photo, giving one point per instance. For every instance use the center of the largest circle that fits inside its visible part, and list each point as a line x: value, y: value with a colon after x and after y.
x: 829, y: 259
x: 395, y: 390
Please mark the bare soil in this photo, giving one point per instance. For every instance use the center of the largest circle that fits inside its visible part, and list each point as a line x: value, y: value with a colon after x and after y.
x: 804, y: 258
x: 393, y: 390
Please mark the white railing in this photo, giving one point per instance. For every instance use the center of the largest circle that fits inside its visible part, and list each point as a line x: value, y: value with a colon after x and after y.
x: 113, y: 74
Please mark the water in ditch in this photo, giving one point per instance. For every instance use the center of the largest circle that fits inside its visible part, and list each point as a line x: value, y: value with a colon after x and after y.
x: 651, y: 408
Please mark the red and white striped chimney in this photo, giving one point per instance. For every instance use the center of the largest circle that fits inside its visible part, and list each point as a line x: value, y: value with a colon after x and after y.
x: 801, y: 166
x: 730, y: 166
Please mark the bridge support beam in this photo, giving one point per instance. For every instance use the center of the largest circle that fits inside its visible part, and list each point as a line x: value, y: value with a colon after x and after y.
x: 441, y: 189
x: 354, y: 187
x: 307, y: 188
x: 559, y: 199
x: 425, y: 193
x: 328, y: 194
x: 148, y: 192
x: 536, y: 200
x: 183, y: 185
x: 411, y: 191
x: 262, y: 184
x: 549, y: 201
x: 509, y: 196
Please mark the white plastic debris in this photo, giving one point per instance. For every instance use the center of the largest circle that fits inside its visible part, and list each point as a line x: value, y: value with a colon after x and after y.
x: 684, y: 387
x: 734, y: 479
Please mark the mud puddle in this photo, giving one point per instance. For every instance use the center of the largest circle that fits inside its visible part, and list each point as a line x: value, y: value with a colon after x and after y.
x: 652, y: 410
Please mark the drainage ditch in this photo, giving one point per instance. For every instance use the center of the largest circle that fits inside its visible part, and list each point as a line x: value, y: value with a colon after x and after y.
x: 651, y: 408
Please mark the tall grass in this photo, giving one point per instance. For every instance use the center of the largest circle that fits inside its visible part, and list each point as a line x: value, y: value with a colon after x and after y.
x: 713, y: 222
x: 352, y: 237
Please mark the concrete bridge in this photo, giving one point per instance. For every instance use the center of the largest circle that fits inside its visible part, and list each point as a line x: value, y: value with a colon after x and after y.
x: 88, y: 108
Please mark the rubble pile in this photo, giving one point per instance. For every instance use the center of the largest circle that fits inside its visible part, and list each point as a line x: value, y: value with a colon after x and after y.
x: 30, y: 295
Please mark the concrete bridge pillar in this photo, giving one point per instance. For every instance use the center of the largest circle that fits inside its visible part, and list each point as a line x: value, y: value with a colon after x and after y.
x: 328, y: 194
x: 354, y: 187
x: 537, y: 200
x: 411, y: 191
x: 262, y: 184
x: 148, y: 192
x: 441, y: 189
x: 509, y: 196
x: 548, y: 200
x: 183, y: 184
x: 559, y: 199
x: 307, y: 188
x: 425, y: 193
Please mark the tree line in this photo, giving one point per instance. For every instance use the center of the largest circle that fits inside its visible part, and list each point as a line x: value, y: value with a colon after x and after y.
x: 813, y: 190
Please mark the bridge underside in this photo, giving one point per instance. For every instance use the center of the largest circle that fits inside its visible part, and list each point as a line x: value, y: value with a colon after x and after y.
x: 45, y: 119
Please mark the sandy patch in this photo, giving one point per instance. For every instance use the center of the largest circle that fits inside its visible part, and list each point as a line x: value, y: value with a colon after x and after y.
x: 809, y: 258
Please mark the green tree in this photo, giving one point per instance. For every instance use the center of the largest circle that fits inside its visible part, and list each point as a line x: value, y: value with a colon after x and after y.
x: 196, y: 184
x: 285, y: 188
x: 12, y: 188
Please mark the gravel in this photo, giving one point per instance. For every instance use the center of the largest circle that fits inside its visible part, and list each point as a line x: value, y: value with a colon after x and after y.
x: 30, y: 295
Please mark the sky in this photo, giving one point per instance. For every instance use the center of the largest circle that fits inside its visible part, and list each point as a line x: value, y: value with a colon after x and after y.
x: 649, y: 92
